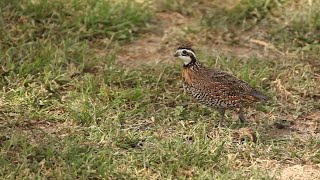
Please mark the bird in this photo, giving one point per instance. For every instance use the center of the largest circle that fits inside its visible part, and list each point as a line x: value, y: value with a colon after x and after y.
x: 214, y: 87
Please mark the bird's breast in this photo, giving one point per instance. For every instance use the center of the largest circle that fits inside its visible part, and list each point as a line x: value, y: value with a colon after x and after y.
x: 187, y: 76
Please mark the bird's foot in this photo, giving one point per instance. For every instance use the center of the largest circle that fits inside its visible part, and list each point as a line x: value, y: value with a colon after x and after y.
x: 242, y: 119
x: 241, y: 116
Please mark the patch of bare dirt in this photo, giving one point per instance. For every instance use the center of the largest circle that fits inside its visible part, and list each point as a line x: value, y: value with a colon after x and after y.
x: 268, y: 165
x: 275, y: 133
x: 308, y: 126
x: 315, y: 117
x: 152, y: 47
x: 300, y: 172
x: 305, y: 128
x: 39, y: 130
x: 285, y: 172
x: 172, y: 29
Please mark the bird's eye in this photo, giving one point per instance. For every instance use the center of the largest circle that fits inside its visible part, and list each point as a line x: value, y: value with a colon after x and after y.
x: 184, y: 52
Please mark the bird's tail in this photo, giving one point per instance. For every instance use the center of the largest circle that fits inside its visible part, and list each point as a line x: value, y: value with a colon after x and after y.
x: 260, y: 96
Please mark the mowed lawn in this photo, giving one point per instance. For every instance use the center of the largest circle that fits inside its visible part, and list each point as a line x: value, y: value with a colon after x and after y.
x: 90, y: 90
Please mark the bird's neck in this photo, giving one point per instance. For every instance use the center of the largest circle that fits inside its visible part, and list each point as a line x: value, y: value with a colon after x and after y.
x: 194, y: 64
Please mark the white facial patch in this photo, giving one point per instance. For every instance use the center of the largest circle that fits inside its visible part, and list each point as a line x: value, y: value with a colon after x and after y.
x: 185, y: 58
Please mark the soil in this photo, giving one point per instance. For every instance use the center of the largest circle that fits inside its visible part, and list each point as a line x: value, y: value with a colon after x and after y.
x: 170, y: 30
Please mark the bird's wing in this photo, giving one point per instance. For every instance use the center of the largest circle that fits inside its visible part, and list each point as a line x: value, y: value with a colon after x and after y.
x: 233, y: 87
x: 229, y: 84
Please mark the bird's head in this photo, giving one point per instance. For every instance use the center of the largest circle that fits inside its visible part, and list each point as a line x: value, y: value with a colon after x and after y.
x: 186, y: 54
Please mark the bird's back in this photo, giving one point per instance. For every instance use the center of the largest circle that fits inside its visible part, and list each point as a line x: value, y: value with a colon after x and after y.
x: 218, y: 88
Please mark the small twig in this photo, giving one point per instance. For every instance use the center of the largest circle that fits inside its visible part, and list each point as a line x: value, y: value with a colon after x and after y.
x: 266, y: 45
x: 161, y: 75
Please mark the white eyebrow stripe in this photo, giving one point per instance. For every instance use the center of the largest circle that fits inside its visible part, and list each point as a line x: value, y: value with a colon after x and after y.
x: 189, y: 51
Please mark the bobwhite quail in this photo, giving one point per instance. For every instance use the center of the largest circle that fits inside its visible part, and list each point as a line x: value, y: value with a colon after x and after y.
x: 215, y: 88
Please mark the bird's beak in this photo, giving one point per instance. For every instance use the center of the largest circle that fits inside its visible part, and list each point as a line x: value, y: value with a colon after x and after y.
x: 176, y: 54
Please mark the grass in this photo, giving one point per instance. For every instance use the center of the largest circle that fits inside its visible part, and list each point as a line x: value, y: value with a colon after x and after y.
x: 77, y: 20
x: 290, y: 21
x: 69, y: 109
x: 245, y: 13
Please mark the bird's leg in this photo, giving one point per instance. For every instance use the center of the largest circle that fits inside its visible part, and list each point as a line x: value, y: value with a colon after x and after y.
x: 222, y: 114
x: 241, y: 115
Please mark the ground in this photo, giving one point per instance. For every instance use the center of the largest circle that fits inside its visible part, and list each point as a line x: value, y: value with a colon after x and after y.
x: 90, y: 89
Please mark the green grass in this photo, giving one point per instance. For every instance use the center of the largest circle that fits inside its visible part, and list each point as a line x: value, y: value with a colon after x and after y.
x: 80, y: 20
x: 69, y: 109
x: 288, y: 24
x: 246, y: 13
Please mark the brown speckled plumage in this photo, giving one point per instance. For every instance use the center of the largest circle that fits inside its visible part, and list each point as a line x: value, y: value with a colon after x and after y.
x: 216, y: 88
